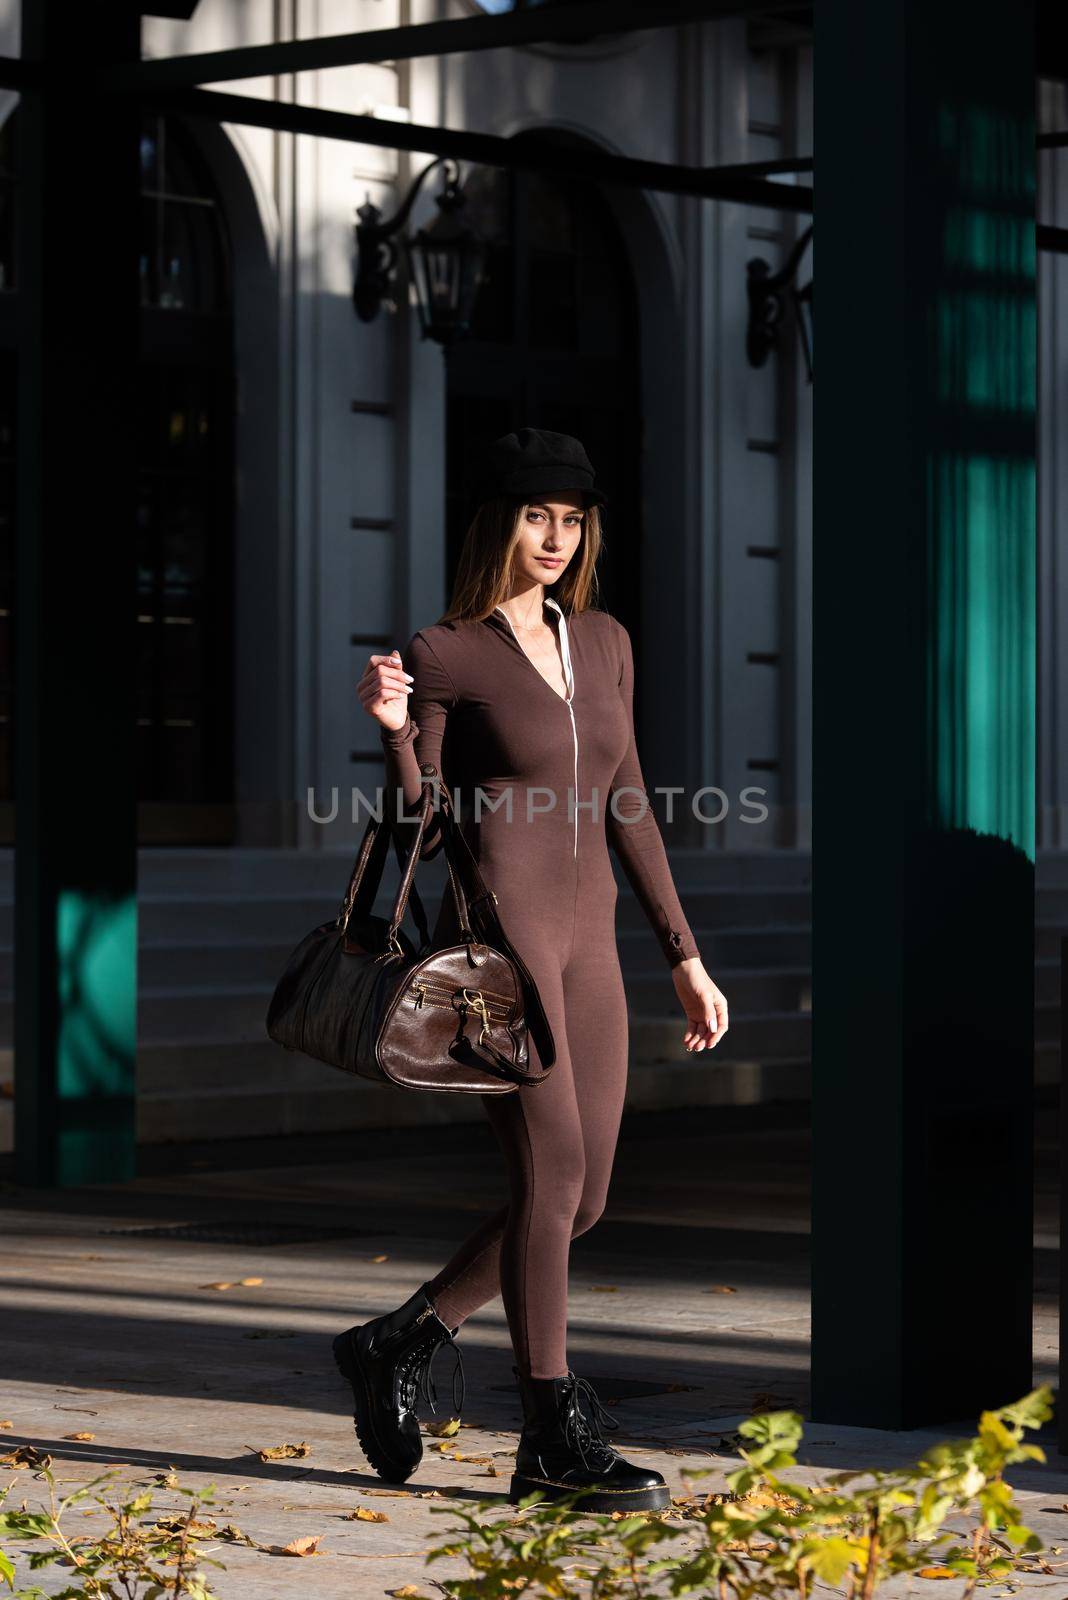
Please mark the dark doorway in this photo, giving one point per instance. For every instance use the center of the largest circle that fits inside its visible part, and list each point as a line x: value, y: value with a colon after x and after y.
x: 553, y: 345
x: 185, y: 578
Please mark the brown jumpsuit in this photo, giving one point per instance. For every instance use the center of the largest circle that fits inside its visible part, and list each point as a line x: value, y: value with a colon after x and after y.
x: 491, y: 723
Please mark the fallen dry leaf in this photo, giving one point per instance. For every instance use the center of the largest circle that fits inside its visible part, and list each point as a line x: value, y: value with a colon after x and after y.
x: 490, y: 1472
x: 721, y: 1288
x: 280, y: 1452
x: 408, y: 1591
x: 938, y: 1572
x: 216, y: 1285
x: 378, y: 1260
x: 6, y: 1424
x: 365, y: 1514
x: 250, y: 1283
x: 444, y: 1430
x: 178, y: 1524
x: 81, y: 1438
x: 297, y: 1547
x: 235, y: 1536
x: 25, y: 1456
x: 604, y: 1288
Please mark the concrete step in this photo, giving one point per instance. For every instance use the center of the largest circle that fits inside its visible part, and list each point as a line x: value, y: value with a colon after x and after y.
x: 1047, y: 1062
x: 193, y: 1064
x: 164, y: 870
x: 1048, y: 937
x: 1047, y: 982
x: 764, y: 1037
x: 220, y: 1012
x: 759, y: 906
x: 773, y: 946
x: 340, y: 1102
x: 748, y: 989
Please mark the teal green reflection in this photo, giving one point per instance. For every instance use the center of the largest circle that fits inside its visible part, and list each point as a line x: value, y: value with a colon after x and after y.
x: 981, y: 662
x: 990, y: 151
x: 1001, y: 242
x: 97, y: 1047
x: 987, y: 349
x: 981, y: 479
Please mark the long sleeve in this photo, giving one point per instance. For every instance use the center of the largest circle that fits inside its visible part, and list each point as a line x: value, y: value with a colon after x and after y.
x: 636, y: 838
x: 420, y: 740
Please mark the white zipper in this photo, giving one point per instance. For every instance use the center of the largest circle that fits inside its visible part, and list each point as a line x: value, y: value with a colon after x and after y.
x: 569, y: 676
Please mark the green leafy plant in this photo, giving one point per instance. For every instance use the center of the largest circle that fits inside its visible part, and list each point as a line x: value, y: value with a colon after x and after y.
x: 137, y: 1557
x: 769, y: 1537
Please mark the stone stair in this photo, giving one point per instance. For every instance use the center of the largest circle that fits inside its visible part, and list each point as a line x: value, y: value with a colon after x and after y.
x: 216, y: 927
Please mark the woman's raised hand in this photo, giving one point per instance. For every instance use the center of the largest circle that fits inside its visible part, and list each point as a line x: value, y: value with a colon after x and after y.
x: 384, y: 690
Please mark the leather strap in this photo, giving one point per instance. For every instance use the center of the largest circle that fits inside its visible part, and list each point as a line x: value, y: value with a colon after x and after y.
x: 484, y: 905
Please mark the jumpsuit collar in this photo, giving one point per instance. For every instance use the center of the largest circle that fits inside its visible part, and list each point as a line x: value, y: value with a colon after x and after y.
x: 565, y: 646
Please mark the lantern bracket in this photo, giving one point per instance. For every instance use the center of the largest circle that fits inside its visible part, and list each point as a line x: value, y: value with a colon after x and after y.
x: 376, y: 250
x: 767, y: 293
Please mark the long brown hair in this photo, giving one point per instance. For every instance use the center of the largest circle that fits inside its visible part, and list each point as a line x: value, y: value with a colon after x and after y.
x: 484, y: 572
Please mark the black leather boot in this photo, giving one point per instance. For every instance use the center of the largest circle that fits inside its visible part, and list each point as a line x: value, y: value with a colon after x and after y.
x: 388, y: 1361
x: 562, y: 1449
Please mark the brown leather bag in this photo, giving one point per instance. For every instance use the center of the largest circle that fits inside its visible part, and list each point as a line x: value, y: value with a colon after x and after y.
x: 356, y: 993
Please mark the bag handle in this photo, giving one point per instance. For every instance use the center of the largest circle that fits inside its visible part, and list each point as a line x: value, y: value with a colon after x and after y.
x: 367, y: 871
x: 366, y: 876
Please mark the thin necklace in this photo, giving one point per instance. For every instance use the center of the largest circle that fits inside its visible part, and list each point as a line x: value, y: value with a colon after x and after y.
x: 524, y: 629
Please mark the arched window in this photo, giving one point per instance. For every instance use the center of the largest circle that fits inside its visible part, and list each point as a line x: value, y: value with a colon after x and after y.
x: 185, y: 509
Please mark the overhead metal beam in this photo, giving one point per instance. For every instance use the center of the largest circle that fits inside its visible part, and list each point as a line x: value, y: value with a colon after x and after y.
x: 17, y: 73
x: 531, y: 155
x: 1055, y: 240
x: 540, y: 25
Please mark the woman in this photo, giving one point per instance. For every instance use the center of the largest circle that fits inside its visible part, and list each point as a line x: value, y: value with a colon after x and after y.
x: 522, y: 699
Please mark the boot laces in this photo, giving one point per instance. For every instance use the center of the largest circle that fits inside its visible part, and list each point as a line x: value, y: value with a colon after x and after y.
x: 582, y: 1426
x: 415, y: 1378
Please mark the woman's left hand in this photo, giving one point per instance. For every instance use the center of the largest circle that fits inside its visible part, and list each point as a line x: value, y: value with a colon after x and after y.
x: 705, y: 1005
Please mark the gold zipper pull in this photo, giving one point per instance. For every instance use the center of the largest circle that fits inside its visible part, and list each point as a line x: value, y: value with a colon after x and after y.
x: 421, y: 994
x: 477, y: 1002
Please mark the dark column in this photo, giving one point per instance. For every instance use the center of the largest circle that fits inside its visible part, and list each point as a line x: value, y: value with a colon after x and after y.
x: 75, y: 603
x: 924, y: 691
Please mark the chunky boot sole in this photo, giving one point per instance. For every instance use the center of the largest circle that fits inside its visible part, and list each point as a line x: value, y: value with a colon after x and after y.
x: 350, y: 1369
x: 658, y: 1498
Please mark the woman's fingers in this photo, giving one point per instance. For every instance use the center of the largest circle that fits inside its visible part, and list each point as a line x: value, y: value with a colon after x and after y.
x: 706, y: 1034
x: 384, y: 680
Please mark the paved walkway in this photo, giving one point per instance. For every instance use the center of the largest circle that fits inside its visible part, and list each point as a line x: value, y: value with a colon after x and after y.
x: 688, y: 1311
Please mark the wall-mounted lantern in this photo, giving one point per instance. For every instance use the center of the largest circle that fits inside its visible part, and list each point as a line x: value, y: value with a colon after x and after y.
x: 446, y: 259
x: 767, y: 303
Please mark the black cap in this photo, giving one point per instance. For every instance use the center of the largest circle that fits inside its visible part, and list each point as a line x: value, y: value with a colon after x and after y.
x: 535, y: 462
